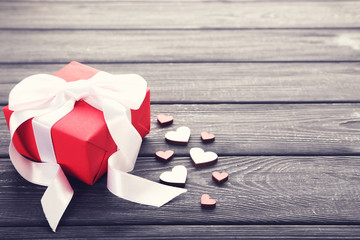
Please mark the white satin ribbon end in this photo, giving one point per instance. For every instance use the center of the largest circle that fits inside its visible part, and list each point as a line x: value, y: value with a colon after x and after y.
x: 56, y: 199
x: 140, y: 190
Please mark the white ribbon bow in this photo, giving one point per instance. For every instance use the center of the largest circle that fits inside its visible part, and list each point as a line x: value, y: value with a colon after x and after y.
x: 48, y: 98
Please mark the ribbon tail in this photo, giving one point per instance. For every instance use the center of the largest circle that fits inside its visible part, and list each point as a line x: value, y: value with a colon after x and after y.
x: 128, y: 140
x: 56, y: 199
x: 137, y: 189
x: 59, y: 192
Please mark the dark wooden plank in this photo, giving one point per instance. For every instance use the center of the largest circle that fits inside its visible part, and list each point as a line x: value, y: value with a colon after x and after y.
x: 184, y: 15
x: 269, y: 129
x: 188, y: 232
x: 255, y: 129
x: 178, y: 46
x: 223, y: 82
x: 260, y: 190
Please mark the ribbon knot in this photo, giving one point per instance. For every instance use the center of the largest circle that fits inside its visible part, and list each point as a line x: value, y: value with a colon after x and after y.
x: 78, y: 90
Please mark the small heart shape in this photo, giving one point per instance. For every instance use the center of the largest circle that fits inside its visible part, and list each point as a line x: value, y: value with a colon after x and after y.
x: 220, y: 177
x: 207, y: 137
x: 201, y: 158
x: 165, y: 119
x: 177, y: 176
x: 180, y: 136
x: 207, y: 202
x: 164, y: 156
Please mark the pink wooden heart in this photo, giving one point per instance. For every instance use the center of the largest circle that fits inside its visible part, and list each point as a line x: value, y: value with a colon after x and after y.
x: 207, y: 137
x: 220, y: 177
x: 207, y: 202
x: 164, y: 156
x: 165, y: 119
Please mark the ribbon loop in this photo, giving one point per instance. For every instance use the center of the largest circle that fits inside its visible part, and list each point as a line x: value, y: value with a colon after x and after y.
x: 35, y: 92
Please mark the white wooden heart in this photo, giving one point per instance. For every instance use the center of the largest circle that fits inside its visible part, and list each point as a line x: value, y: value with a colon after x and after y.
x: 180, y: 136
x: 177, y: 176
x: 201, y: 158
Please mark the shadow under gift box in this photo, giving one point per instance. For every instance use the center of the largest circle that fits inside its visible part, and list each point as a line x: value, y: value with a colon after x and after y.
x: 81, y: 140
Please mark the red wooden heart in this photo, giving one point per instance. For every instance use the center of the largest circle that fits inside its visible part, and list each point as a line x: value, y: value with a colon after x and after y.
x: 207, y: 202
x: 165, y: 119
x: 207, y: 137
x: 220, y: 177
x: 164, y: 156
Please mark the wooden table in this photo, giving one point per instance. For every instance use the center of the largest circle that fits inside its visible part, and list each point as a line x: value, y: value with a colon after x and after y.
x: 277, y: 82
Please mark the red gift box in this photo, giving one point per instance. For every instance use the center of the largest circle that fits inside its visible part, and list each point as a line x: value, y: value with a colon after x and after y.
x: 82, y: 142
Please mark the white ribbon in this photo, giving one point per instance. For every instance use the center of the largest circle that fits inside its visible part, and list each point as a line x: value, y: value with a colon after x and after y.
x: 48, y: 98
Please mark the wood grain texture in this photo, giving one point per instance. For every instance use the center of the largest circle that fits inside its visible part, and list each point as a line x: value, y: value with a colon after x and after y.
x: 260, y: 190
x: 293, y: 232
x: 223, y: 82
x: 275, y: 81
x: 254, y: 129
x: 184, y: 15
x: 178, y: 46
